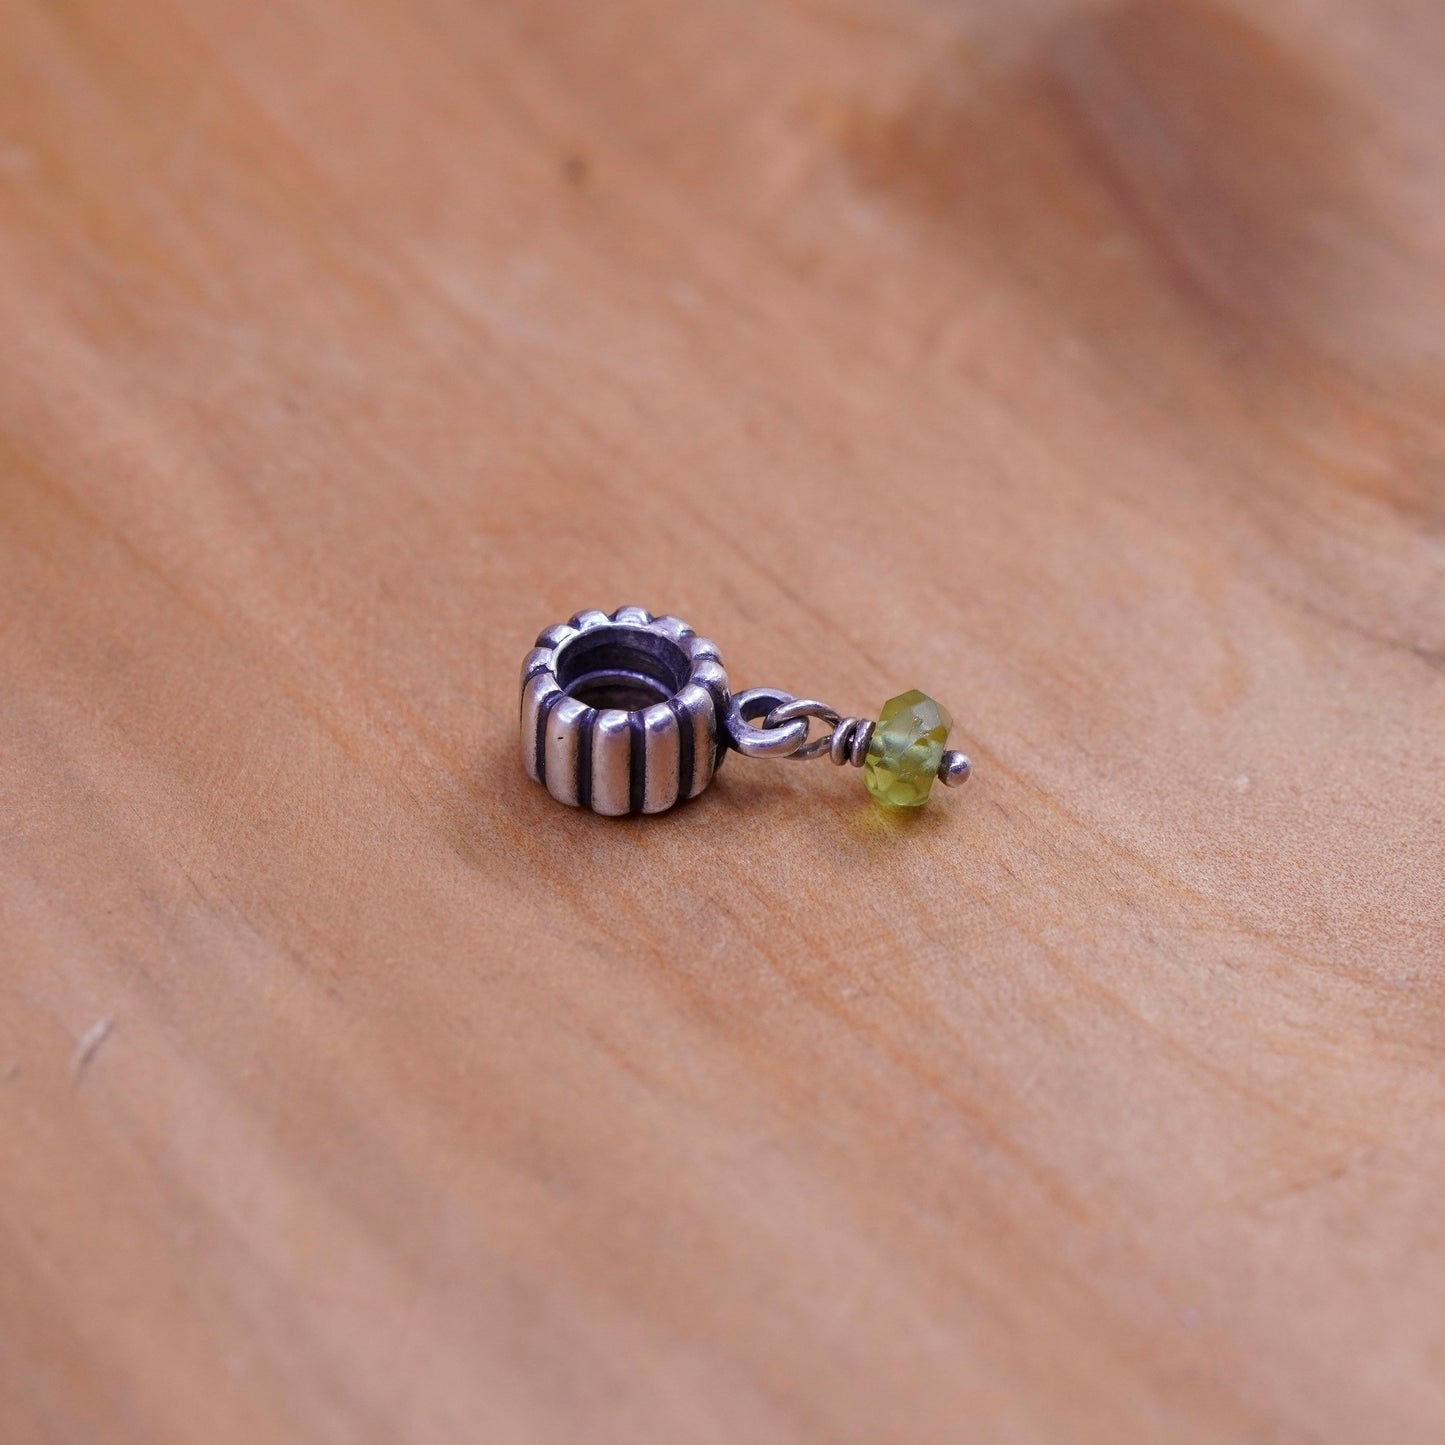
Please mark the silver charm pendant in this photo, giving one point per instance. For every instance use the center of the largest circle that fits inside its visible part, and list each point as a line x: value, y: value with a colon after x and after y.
x: 631, y: 713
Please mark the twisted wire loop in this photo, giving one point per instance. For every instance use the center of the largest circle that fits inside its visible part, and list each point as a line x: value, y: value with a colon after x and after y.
x: 845, y: 741
x: 786, y: 722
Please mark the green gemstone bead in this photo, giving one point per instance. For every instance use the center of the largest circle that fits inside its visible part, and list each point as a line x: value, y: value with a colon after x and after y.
x: 906, y: 750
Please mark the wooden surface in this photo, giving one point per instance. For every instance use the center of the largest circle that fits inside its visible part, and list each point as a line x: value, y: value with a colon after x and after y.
x: 1079, y: 363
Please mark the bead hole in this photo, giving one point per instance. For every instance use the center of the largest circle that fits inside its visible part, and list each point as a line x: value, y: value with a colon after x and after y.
x: 621, y: 667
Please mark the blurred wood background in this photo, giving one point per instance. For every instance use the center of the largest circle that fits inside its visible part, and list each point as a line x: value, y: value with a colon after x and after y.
x: 1077, y: 361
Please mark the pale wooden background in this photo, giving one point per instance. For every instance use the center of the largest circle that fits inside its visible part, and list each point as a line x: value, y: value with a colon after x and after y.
x: 1077, y: 362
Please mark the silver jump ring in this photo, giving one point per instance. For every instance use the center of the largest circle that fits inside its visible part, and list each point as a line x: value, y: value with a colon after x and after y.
x: 770, y: 740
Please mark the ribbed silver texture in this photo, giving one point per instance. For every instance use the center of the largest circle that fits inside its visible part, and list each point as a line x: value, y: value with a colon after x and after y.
x: 622, y: 713
x: 662, y: 785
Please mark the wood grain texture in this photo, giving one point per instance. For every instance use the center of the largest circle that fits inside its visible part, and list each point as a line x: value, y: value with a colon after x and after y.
x: 1079, y: 363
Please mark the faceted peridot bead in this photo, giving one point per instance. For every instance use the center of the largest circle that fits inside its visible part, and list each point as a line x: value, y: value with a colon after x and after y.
x: 906, y: 750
